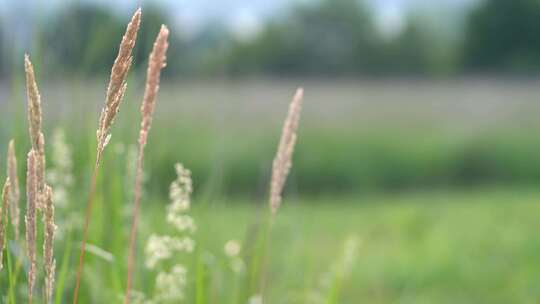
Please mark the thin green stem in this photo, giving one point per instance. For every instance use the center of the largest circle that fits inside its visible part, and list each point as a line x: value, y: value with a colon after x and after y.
x: 88, y: 214
x: 259, y: 259
x: 134, y: 224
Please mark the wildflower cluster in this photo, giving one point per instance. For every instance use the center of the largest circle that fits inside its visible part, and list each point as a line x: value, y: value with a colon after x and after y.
x: 170, y: 284
x: 60, y: 175
x: 232, y: 251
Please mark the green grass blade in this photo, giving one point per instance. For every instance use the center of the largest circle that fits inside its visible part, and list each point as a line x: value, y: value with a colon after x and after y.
x: 63, y: 271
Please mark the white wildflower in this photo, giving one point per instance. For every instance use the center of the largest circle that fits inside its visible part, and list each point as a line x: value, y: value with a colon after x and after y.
x: 238, y: 266
x: 179, y: 193
x: 162, y: 247
x: 60, y: 176
x: 170, y: 285
x: 157, y: 249
x: 181, y: 222
x: 232, y: 248
x: 255, y: 299
x: 136, y: 297
x: 180, y: 190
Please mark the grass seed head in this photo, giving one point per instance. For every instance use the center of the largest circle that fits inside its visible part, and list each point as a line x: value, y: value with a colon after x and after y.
x: 48, y: 244
x: 40, y: 172
x: 34, y: 103
x: 283, y: 159
x: 34, y: 122
x: 3, y: 219
x: 156, y: 63
x: 14, y: 191
x: 30, y: 219
x: 118, y: 81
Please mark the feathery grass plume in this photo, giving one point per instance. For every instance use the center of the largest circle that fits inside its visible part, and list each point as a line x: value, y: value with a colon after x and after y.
x: 34, y: 103
x: 114, y: 96
x: 30, y: 219
x: 280, y: 170
x: 3, y: 220
x: 118, y: 81
x: 48, y: 244
x: 14, y: 191
x: 156, y: 63
x: 283, y: 159
x: 34, y: 121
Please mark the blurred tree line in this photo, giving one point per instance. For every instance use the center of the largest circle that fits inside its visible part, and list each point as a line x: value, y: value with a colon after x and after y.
x: 328, y: 37
x: 503, y: 36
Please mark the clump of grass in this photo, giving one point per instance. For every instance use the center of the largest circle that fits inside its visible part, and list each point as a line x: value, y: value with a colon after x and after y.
x: 156, y: 62
x: 171, y: 280
x: 113, y: 99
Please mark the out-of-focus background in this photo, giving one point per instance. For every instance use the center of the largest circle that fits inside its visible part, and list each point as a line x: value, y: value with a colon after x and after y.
x: 400, y: 94
x: 419, y: 136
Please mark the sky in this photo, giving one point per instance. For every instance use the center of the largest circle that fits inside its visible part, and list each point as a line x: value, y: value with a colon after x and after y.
x: 245, y: 17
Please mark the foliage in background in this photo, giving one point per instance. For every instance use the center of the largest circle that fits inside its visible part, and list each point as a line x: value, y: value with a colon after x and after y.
x: 504, y: 36
x: 318, y: 38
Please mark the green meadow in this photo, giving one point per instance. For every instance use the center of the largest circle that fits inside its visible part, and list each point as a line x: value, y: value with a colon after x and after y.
x: 388, y: 201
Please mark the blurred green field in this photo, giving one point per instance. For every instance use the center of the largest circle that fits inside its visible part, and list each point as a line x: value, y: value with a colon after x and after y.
x: 423, y: 248
x: 437, y: 181
x: 426, y: 247
x: 355, y: 137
